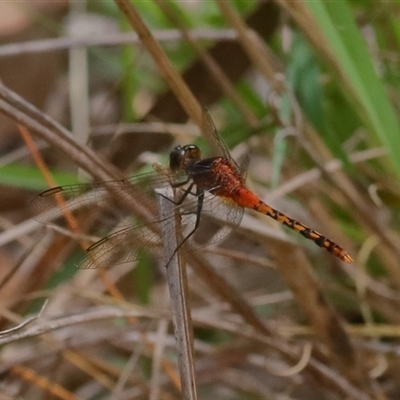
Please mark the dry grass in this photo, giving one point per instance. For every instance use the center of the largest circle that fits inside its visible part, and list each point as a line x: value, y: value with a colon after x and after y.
x: 271, y: 314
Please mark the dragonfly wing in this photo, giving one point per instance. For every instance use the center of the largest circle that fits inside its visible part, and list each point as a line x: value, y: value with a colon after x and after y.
x: 123, y: 246
x: 95, y: 201
x: 244, y: 163
x: 131, y: 243
x: 218, y: 146
x: 217, y: 219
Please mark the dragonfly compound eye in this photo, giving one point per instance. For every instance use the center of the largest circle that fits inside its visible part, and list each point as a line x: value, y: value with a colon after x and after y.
x: 192, y: 153
x: 176, y: 158
x: 181, y: 157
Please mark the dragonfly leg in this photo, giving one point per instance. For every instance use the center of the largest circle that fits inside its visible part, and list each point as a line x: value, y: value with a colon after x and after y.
x: 200, y: 200
x: 184, y: 195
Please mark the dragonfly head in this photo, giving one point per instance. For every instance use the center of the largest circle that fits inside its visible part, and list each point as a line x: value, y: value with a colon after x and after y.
x: 182, y: 156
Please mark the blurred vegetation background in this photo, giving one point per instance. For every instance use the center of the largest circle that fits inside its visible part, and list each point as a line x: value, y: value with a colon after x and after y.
x: 310, y: 90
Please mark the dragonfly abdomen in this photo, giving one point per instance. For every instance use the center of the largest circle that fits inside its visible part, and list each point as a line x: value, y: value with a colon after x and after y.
x: 247, y: 199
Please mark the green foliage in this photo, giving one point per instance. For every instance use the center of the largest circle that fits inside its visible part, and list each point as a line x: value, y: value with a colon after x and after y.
x: 28, y: 177
x: 362, y: 83
x: 303, y: 77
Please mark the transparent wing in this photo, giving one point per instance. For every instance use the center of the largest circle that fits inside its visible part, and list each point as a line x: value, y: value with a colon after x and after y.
x: 217, y: 144
x: 218, y: 218
x: 95, y: 205
x: 123, y: 246
x: 131, y: 243
x: 96, y: 201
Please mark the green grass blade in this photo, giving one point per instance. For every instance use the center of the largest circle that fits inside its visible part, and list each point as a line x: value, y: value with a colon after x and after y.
x: 336, y: 21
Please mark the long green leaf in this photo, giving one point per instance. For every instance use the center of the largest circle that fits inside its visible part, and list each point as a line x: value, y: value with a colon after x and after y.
x: 336, y: 21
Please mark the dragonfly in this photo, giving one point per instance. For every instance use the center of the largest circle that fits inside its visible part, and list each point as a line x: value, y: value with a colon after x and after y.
x: 210, y: 196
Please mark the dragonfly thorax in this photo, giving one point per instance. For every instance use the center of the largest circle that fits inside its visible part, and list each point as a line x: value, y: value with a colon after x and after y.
x: 184, y: 156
